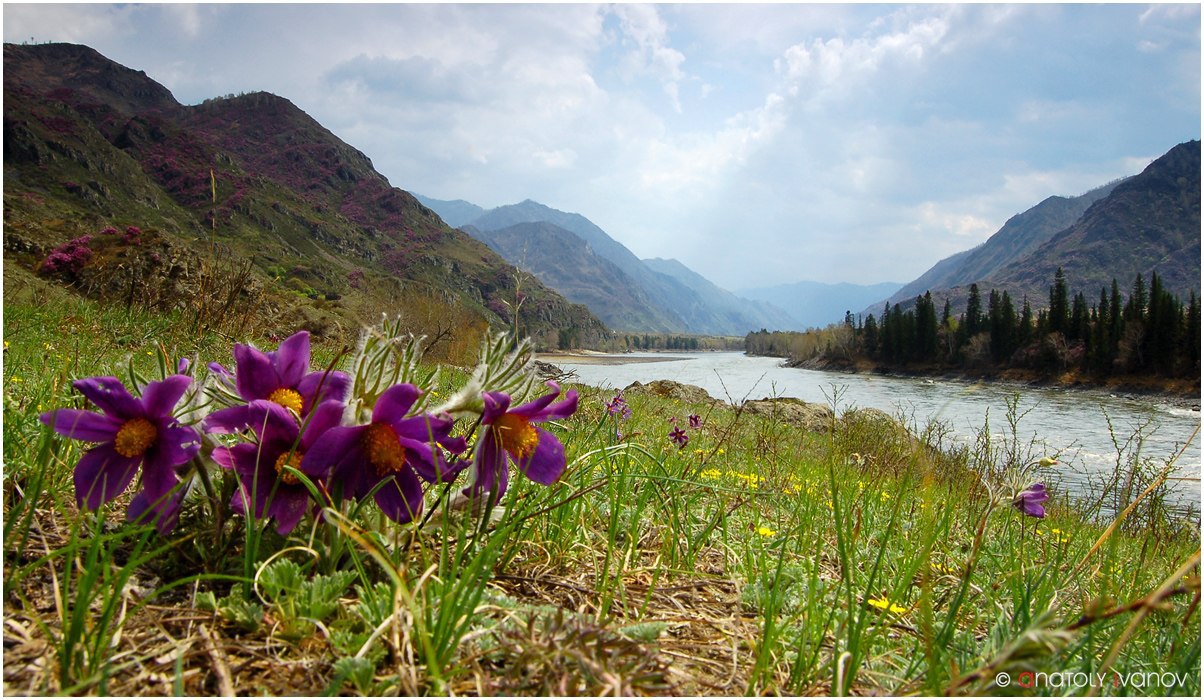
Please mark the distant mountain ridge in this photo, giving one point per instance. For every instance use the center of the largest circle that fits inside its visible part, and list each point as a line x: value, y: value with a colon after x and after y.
x: 90, y: 144
x: 817, y: 304
x: 666, y: 296
x: 1144, y: 223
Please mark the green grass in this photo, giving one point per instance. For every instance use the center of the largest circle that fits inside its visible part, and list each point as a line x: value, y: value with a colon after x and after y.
x: 759, y: 559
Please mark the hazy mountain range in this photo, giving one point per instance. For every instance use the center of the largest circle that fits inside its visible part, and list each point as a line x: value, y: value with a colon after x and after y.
x: 571, y: 254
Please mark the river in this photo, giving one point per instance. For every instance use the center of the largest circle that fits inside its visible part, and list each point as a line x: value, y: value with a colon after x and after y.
x: 1070, y: 423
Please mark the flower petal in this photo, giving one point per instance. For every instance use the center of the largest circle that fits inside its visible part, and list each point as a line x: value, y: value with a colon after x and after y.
x: 547, y: 462
x: 327, y: 415
x: 316, y: 387
x: 273, y: 423
x: 490, y: 468
x: 292, y: 359
x: 82, y: 425
x: 159, y: 398
x: 288, y: 507
x: 102, y: 474
x: 163, y: 511
x: 429, y: 464
x: 227, y: 420
x: 338, y: 459
x: 243, y: 458
x: 395, y: 403
x: 496, y: 403
x: 542, y: 409
x: 254, y: 374
x: 400, y: 498
x: 111, y: 396
x: 176, y: 445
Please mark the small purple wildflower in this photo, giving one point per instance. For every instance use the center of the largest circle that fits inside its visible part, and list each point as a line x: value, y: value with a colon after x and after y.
x: 132, y: 432
x: 695, y: 421
x: 510, y: 435
x: 1030, y: 499
x: 679, y: 436
x: 618, y: 407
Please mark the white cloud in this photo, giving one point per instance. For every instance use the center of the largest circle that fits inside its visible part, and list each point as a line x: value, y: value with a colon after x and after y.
x: 757, y: 143
x: 643, y: 26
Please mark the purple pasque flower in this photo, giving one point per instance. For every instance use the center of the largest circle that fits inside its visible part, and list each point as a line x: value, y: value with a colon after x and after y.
x: 510, y: 434
x: 132, y: 432
x: 280, y: 442
x: 695, y: 421
x: 1030, y: 499
x: 679, y: 436
x: 392, y: 451
x: 283, y: 377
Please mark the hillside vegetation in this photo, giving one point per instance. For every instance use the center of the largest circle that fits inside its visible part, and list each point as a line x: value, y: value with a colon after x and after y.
x: 298, y: 219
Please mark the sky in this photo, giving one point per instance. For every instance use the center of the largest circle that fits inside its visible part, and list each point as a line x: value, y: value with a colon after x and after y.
x: 757, y: 144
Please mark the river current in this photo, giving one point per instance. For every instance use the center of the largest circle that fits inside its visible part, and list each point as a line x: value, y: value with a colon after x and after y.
x: 1074, y: 424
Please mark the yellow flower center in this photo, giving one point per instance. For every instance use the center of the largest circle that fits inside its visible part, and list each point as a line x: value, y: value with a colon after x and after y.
x: 288, y: 398
x: 516, y: 434
x: 288, y: 459
x: 135, y: 437
x: 384, y: 450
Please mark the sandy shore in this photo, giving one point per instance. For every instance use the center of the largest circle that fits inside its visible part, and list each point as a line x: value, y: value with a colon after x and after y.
x: 599, y: 358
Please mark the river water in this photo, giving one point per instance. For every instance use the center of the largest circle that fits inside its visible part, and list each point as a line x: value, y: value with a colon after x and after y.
x: 1070, y: 423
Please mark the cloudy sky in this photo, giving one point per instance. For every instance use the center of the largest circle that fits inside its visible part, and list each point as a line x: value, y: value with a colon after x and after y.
x: 758, y: 144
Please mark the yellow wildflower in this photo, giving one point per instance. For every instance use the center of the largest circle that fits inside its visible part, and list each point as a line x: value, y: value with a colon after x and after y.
x: 884, y: 604
x: 766, y: 532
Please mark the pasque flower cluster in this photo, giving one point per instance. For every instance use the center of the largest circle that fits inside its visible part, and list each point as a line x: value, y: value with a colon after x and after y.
x: 293, y: 433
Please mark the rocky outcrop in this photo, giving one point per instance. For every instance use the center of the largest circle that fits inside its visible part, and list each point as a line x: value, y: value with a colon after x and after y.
x: 664, y: 388
x: 808, y: 416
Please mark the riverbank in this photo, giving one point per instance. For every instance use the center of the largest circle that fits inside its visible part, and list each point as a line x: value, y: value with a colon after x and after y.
x: 591, y: 357
x: 1183, y: 393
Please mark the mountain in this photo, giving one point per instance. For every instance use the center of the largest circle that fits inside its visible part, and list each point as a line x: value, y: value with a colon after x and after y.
x: 816, y: 305
x: 683, y: 305
x: 1150, y: 222
x: 736, y: 310
x: 90, y: 144
x: 455, y: 213
x: 1145, y: 223
x: 563, y: 261
x: 1019, y: 236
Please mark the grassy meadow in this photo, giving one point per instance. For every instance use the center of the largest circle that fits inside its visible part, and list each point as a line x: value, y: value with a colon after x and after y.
x: 757, y: 558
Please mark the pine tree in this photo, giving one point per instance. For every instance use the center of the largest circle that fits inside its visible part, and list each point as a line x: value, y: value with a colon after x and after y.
x: 1059, y: 305
x: 972, y: 319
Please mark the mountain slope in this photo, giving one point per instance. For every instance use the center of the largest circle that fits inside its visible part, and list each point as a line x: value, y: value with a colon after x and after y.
x: 564, y: 262
x: 1145, y: 223
x: 90, y: 144
x: 679, y: 302
x: 1150, y: 222
x: 1018, y: 237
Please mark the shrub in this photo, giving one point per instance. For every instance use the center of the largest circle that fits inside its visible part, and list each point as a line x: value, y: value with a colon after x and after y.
x: 69, y: 258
